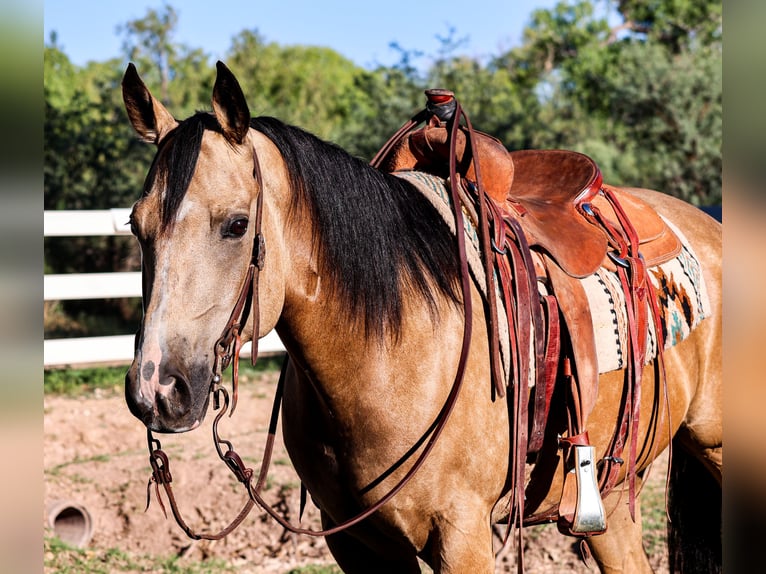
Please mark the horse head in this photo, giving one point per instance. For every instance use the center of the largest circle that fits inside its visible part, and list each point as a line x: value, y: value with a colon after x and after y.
x: 196, y: 224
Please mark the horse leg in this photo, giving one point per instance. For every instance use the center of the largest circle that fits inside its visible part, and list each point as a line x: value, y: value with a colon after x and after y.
x: 696, y: 466
x: 456, y: 548
x: 353, y: 556
x: 620, y: 549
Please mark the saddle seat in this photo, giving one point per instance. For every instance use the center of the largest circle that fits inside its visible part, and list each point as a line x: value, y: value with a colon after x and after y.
x: 545, y: 190
x: 548, y: 195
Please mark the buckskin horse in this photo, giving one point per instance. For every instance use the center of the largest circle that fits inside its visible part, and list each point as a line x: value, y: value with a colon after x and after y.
x: 389, y: 399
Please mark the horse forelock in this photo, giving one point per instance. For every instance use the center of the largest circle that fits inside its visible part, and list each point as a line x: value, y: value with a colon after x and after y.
x: 175, y: 162
x: 377, y: 239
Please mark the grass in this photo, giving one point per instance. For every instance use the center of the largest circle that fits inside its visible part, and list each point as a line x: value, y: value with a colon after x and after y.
x: 316, y: 569
x: 64, y: 559
x: 654, y: 518
x: 97, y: 458
x: 78, y: 382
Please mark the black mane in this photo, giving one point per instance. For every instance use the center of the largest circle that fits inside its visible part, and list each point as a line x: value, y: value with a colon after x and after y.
x: 376, y: 235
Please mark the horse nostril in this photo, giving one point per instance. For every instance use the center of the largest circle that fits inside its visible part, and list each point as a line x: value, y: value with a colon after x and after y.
x: 169, y: 402
x: 173, y: 398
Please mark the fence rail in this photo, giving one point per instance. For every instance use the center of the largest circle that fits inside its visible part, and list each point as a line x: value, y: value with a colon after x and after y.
x: 115, y: 349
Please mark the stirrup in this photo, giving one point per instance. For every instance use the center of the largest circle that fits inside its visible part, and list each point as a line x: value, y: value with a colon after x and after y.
x: 589, y: 515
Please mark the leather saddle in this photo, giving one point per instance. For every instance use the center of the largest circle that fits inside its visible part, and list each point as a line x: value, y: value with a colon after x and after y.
x: 551, y: 204
x: 546, y: 190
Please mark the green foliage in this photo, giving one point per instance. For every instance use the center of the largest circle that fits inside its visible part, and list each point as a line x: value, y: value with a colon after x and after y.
x: 390, y: 97
x: 311, y: 87
x: 670, y: 108
x: 644, y: 103
x: 76, y: 382
x: 64, y: 559
x: 674, y: 23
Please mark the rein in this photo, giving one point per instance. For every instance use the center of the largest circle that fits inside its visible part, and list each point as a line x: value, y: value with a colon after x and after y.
x: 228, y: 347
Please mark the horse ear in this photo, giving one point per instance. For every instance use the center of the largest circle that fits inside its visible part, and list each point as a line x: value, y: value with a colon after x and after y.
x: 149, y: 117
x: 230, y: 106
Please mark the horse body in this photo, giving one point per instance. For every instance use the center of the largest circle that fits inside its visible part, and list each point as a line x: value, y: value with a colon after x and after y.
x: 363, y: 390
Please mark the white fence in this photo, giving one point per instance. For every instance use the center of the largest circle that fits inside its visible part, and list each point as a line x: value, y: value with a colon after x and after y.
x: 117, y: 349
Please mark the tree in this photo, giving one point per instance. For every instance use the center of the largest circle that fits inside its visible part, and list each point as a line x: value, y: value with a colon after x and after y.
x: 92, y: 160
x: 387, y: 98
x: 166, y: 66
x: 149, y: 38
x: 643, y: 97
x: 312, y: 87
x: 671, y: 109
x: 675, y: 24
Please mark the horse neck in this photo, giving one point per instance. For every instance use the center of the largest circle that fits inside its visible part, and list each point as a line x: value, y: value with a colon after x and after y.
x: 314, y: 322
x: 311, y: 321
x: 346, y: 361
x: 292, y: 297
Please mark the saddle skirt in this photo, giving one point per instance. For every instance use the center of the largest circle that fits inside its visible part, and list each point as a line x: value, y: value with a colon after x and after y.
x: 683, y: 304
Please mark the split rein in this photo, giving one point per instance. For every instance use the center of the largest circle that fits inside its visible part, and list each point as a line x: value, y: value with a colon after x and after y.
x: 227, y: 350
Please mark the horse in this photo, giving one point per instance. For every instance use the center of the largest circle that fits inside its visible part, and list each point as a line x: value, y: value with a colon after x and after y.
x: 357, y: 273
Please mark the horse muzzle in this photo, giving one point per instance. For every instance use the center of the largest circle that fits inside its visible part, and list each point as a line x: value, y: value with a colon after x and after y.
x: 170, y: 403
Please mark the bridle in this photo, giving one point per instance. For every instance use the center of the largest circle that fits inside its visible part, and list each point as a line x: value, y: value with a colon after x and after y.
x: 227, y: 350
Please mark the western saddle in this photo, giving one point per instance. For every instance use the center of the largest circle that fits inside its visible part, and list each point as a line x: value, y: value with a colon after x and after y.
x: 546, y: 220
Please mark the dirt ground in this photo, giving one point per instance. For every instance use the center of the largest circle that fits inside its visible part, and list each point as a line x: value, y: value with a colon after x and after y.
x: 95, y: 455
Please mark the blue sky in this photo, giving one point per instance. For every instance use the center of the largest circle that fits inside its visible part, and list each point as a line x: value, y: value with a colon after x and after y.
x: 361, y: 31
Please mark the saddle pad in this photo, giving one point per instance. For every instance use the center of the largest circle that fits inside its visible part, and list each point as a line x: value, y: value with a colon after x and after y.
x: 435, y: 189
x: 683, y: 303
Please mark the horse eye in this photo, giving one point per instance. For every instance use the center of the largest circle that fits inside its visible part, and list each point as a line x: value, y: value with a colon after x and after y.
x: 133, y: 226
x: 238, y: 227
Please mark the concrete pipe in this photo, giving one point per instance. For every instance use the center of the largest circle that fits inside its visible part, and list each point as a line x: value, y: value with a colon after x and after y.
x: 70, y: 522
